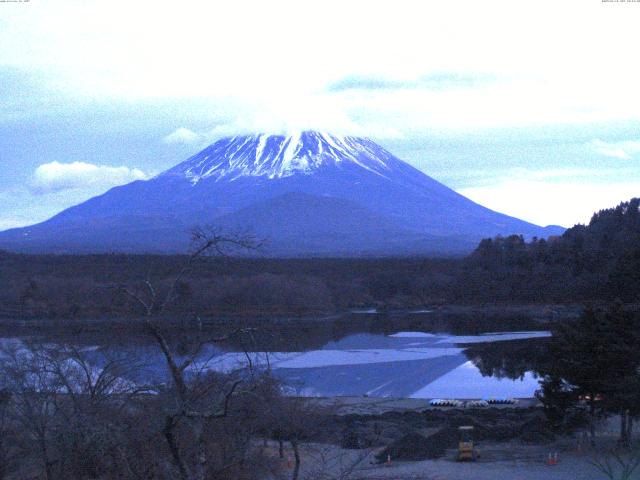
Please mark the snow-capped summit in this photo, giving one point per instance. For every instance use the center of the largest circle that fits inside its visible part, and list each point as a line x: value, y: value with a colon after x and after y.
x: 278, y: 156
x: 306, y: 194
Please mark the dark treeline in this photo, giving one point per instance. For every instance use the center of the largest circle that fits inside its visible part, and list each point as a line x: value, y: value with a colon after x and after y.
x: 595, y: 262
x: 598, y: 261
x: 85, y: 285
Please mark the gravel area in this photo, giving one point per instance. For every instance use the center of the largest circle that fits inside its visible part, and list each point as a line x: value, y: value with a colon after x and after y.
x: 497, y: 462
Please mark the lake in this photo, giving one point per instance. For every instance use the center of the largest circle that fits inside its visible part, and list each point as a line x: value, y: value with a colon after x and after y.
x: 348, y: 357
x: 404, y: 364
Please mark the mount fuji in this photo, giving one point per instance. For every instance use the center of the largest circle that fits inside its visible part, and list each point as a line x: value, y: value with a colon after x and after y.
x: 305, y: 194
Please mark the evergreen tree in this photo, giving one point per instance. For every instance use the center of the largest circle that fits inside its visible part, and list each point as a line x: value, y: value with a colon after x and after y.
x: 596, y: 361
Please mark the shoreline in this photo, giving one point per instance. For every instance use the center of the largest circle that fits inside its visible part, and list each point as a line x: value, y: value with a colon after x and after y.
x: 530, y: 315
x: 351, y: 405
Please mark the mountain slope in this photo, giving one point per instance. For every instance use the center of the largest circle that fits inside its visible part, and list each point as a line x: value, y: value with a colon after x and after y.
x: 308, y: 193
x: 340, y: 227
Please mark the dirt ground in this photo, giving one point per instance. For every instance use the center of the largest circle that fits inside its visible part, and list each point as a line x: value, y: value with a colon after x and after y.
x: 498, y: 461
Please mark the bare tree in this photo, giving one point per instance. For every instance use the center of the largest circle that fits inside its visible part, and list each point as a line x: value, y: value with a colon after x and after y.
x: 65, y: 413
x: 332, y: 463
x: 618, y: 466
x: 192, y: 401
x: 7, y: 434
x: 72, y: 412
x: 34, y: 400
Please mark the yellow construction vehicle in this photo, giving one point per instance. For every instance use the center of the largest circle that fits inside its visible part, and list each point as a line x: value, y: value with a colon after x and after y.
x: 466, y: 447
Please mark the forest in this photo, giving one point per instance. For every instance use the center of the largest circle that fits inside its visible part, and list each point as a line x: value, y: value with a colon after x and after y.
x: 598, y: 262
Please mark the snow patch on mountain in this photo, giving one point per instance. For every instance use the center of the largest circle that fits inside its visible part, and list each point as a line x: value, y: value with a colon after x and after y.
x: 277, y: 156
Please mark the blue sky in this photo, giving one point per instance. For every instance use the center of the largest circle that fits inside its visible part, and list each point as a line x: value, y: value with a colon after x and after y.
x: 529, y: 108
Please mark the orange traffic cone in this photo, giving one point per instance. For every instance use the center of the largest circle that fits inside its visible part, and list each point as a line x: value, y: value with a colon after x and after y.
x: 550, y: 459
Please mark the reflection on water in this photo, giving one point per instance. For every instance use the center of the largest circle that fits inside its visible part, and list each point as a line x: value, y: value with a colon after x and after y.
x: 415, y: 364
x: 325, y: 361
x: 466, y: 381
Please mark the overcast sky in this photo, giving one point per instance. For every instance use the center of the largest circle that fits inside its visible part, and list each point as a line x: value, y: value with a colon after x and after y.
x: 530, y: 108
